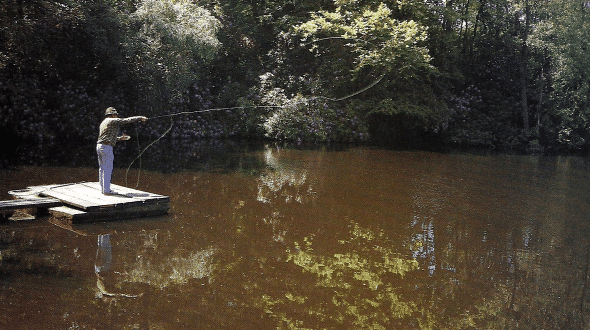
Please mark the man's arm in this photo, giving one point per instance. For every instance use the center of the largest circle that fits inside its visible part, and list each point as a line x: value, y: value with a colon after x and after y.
x: 130, y: 120
x: 134, y: 119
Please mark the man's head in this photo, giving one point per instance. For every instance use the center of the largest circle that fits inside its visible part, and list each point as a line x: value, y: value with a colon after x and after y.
x: 111, y: 112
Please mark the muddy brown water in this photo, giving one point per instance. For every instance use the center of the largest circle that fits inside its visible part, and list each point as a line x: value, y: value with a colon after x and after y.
x: 360, y: 238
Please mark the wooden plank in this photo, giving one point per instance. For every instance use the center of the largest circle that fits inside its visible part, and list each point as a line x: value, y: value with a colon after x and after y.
x: 29, y: 203
x: 53, y: 191
x: 94, y: 197
x: 84, y: 196
x: 129, y: 192
x: 35, y: 191
x: 70, y: 199
x: 21, y: 216
x: 65, y: 212
x: 74, y: 215
x: 84, y: 201
x: 88, y: 196
x: 124, y: 195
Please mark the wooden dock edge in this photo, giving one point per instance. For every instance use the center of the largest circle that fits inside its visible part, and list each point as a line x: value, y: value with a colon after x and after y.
x: 76, y: 215
x: 83, y: 202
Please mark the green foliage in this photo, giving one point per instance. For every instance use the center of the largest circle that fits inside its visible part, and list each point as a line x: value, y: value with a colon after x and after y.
x: 168, y: 41
x: 311, y: 119
x: 379, y: 39
x: 51, y: 79
x: 489, y: 44
x: 564, y: 34
x: 62, y: 64
x: 332, y: 70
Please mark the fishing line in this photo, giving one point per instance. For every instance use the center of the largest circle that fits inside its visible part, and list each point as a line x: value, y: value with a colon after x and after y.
x: 139, y: 153
x: 216, y: 109
x: 357, y: 92
x: 364, y: 89
x: 142, y: 151
x: 171, y: 115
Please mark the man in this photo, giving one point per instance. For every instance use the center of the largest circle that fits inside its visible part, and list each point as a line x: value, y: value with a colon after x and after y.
x: 107, y: 138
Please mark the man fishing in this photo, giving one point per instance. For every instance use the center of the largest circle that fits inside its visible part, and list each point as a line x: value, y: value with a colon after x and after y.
x: 107, y: 138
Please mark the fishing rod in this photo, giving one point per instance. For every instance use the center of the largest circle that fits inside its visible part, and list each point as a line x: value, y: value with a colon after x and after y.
x: 171, y: 115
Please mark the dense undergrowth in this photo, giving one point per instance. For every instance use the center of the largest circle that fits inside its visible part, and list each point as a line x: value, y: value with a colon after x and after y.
x: 409, y: 74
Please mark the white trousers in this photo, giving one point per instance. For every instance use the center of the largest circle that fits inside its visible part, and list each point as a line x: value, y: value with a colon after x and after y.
x: 105, y: 165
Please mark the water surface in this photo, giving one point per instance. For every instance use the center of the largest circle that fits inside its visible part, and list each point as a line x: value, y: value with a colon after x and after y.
x: 275, y: 238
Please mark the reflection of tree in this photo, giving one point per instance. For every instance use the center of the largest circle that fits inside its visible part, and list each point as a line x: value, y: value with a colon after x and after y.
x: 545, y: 257
x: 358, y: 287
x: 175, y: 270
x: 159, y: 269
x: 410, y: 251
x: 281, y: 180
x: 511, y: 249
x: 422, y: 244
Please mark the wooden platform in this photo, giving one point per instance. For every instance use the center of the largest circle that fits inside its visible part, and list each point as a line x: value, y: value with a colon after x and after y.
x: 22, y: 203
x: 84, y: 201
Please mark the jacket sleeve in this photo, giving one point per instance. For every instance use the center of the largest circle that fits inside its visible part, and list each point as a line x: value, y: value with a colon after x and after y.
x: 130, y: 120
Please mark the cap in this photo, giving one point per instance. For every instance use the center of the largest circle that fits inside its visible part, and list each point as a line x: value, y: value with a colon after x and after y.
x: 111, y: 111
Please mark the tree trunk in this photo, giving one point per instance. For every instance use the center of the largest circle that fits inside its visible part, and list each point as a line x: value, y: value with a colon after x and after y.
x: 523, y: 71
x: 523, y: 93
x: 478, y: 18
x: 464, y: 30
x: 541, y: 92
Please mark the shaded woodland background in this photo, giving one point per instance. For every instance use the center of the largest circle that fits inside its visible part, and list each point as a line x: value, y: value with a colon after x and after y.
x: 507, y: 75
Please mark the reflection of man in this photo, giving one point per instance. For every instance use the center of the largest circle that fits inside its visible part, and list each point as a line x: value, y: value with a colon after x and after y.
x: 104, y: 256
x: 107, y: 138
x: 102, y: 265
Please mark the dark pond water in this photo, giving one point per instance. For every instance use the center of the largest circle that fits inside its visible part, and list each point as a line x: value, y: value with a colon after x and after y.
x: 275, y: 238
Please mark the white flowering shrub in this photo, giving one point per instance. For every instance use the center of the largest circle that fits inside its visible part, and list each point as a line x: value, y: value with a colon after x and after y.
x: 311, y: 119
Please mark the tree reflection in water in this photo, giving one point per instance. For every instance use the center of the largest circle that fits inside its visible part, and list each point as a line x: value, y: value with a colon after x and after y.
x: 314, y: 239
x: 277, y: 176
x: 149, y: 268
x: 358, y: 285
x: 476, y: 258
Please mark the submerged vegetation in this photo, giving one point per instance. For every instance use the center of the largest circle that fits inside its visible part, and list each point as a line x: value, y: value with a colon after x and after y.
x: 491, y: 74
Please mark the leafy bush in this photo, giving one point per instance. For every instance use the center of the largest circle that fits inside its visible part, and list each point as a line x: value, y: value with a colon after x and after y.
x: 311, y: 119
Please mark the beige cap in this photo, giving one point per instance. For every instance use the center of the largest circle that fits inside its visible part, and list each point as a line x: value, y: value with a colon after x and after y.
x: 111, y: 111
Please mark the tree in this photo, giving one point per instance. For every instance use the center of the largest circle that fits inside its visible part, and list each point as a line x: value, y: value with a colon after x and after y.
x: 379, y: 39
x: 168, y: 42
x: 388, y: 41
x: 498, y: 61
x: 564, y: 34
